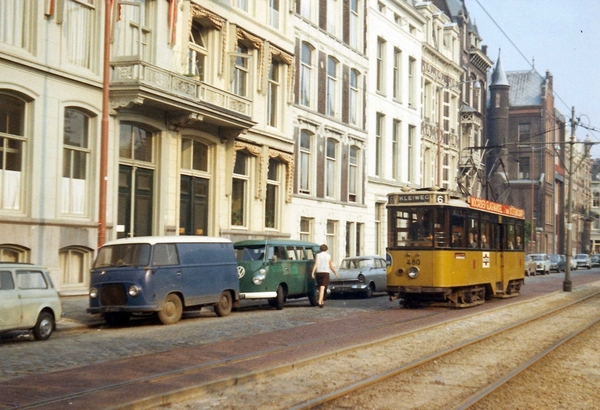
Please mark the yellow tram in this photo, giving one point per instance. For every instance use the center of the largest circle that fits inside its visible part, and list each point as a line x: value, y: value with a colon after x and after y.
x: 452, y: 251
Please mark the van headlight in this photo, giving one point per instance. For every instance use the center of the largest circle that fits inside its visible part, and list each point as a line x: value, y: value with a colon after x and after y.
x: 93, y: 293
x: 258, y: 279
x: 134, y: 290
x: 413, y: 272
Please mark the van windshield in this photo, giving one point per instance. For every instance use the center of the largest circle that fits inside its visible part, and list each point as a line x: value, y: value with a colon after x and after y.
x: 137, y: 254
x: 251, y: 253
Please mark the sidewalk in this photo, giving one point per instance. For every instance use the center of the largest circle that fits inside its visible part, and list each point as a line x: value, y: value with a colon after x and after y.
x: 74, y: 314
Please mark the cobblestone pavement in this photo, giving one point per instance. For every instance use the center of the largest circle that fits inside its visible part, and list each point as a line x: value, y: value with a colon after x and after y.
x: 82, y: 339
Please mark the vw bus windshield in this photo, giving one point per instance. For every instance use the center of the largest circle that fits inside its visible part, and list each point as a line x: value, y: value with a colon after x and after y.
x: 250, y: 253
x: 137, y: 254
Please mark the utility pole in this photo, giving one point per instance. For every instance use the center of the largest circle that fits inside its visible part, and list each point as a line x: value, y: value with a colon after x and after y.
x: 567, y: 285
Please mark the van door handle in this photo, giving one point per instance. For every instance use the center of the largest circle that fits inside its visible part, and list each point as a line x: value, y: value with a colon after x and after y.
x: 178, y: 274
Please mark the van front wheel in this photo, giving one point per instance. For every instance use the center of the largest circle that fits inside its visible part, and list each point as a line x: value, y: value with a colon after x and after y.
x: 223, y: 308
x: 278, y: 301
x: 172, y: 310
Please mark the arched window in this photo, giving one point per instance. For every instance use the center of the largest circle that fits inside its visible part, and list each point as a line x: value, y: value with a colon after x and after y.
x: 13, y: 253
x: 74, y: 262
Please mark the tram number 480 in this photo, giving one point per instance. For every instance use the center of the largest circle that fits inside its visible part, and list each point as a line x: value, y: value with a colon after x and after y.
x: 414, y: 262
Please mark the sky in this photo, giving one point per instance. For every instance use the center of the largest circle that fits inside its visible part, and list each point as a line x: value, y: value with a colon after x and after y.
x: 560, y: 36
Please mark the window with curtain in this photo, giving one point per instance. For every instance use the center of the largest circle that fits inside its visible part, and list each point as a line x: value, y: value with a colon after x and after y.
x: 273, y: 94
x: 380, y: 84
x: 197, y: 52
x: 305, y: 162
x: 354, y: 100
x: 331, y: 92
x: 12, y: 141
x: 354, y: 23
x: 16, y: 26
x: 306, y: 74
x: 133, y: 31
x: 239, y: 83
x: 79, y: 32
x: 76, y: 158
x: 239, y: 189
x: 331, y: 171
x: 274, y: 13
x: 272, y: 199
x: 353, y: 174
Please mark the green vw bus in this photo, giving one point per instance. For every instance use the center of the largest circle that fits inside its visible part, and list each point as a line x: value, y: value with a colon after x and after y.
x: 276, y: 270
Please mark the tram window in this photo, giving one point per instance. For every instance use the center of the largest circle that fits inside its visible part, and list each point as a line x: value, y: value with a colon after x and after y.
x: 484, y: 235
x: 473, y: 233
x: 457, y: 228
x: 413, y: 228
x: 509, y: 233
x: 519, y: 237
x: 441, y: 229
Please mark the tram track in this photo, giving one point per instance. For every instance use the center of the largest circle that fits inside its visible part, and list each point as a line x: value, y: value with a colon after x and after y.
x: 413, y: 374
x: 448, y: 362
x: 82, y: 395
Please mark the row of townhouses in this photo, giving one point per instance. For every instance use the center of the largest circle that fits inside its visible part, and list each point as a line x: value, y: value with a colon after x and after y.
x: 253, y: 119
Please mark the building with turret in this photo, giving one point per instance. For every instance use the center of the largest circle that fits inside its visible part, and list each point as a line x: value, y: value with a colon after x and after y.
x: 528, y: 155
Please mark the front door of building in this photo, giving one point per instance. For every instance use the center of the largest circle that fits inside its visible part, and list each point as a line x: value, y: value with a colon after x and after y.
x: 135, y: 201
x: 193, y: 206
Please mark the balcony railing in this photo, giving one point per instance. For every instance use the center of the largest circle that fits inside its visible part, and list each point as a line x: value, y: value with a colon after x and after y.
x: 130, y: 73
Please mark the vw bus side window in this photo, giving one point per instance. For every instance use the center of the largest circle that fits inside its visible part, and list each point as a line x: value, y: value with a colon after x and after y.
x: 291, y: 253
x: 254, y: 253
x: 123, y: 255
x: 165, y: 254
x: 310, y: 255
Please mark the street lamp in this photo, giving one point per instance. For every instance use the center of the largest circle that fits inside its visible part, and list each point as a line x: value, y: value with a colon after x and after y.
x: 477, y: 86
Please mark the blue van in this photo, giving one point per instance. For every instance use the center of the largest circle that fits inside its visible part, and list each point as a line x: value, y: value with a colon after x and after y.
x: 163, y: 274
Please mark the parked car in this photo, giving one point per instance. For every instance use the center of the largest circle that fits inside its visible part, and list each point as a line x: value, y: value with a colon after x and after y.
x: 554, y: 262
x: 28, y: 300
x: 530, y: 266
x: 583, y: 260
x: 595, y: 260
x: 361, y: 274
x: 563, y: 263
x: 542, y: 262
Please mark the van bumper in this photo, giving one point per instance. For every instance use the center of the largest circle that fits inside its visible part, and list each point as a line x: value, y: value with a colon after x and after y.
x: 258, y: 295
x: 112, y: 309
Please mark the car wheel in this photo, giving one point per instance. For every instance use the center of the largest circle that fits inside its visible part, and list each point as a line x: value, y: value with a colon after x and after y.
x: 278, y: 301
x: 368, y: 291
x: 44, y: 326
x: 171, y: 311
x: 223, y: 308
x: 116, y: 318
x: 312, y: 295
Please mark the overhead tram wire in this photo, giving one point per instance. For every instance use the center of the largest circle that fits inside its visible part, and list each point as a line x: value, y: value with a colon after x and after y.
x: 527, y: 60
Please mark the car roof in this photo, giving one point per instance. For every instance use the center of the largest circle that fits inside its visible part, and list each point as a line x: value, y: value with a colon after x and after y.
x: 152, y: 240
x: 275, y: 242
x: 8, y: 265
x: 363, y: 257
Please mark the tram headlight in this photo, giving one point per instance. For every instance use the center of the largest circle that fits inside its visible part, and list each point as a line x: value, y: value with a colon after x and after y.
x: 413, y: 272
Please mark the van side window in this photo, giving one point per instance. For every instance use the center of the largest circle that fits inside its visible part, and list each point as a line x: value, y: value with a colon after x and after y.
x: 31, y: 280
x: 291, y: 252
x: 6, y: 281
x: 281, y: 252
x: 310, y: 255
x: 165, y: 254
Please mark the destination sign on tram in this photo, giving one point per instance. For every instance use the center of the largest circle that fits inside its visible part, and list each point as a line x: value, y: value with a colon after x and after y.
x: 417, y: 198
x: 502, y: 209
